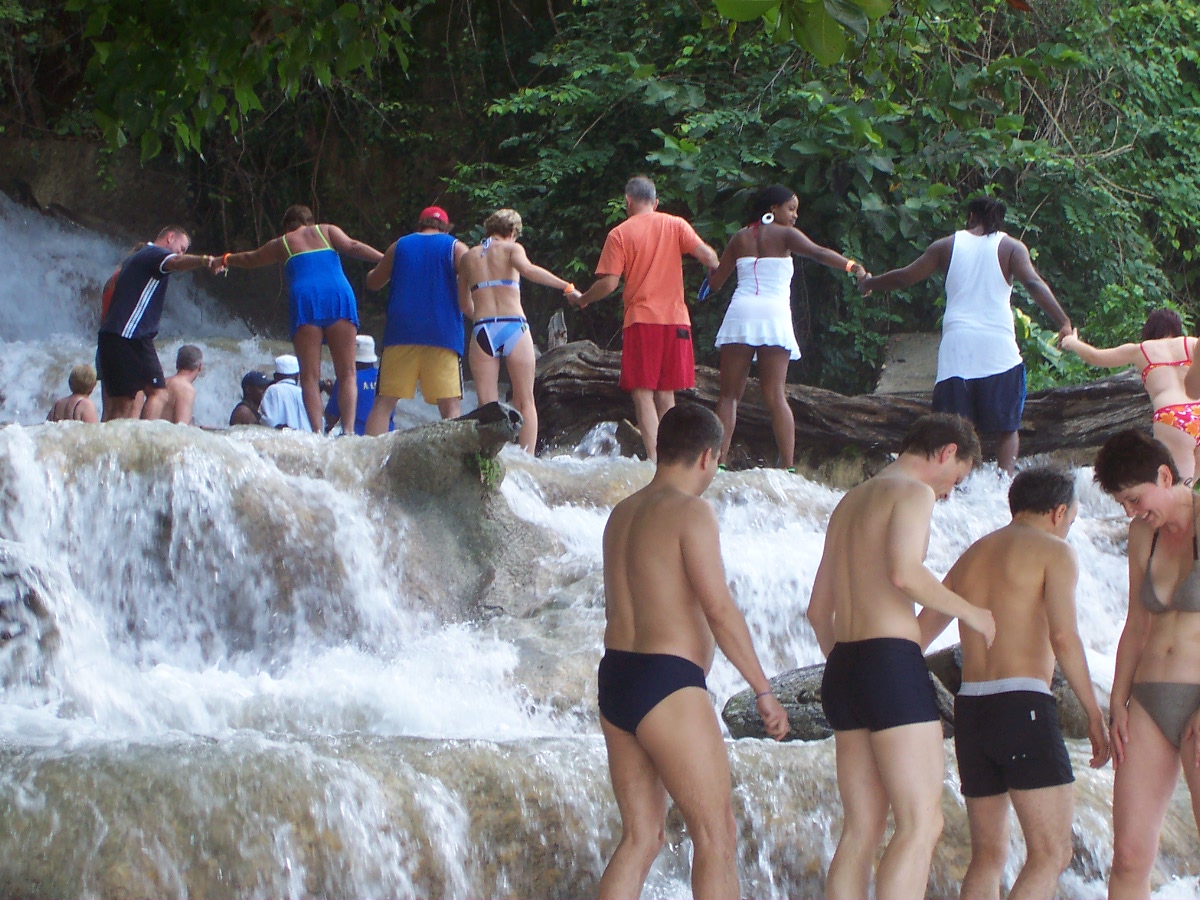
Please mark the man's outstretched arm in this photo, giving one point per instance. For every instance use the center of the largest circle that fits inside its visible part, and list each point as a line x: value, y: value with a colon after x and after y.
x: 935, y: 258
x: 1023, y: 271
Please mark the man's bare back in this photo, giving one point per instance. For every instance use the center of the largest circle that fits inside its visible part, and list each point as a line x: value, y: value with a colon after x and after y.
x: 181, y: 397
x: 667, y: 603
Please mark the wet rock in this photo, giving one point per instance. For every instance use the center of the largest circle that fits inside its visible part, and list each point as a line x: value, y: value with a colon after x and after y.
x: 799, y: 691
x: 29, y: 633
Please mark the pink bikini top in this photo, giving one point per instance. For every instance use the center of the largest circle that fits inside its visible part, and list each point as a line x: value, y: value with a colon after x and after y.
x: 1151, y: 366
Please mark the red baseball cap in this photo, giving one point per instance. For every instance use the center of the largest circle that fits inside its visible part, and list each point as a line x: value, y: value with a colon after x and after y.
x: 434, y: 212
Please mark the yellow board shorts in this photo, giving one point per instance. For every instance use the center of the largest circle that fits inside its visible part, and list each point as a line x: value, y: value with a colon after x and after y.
x: 437, y: 369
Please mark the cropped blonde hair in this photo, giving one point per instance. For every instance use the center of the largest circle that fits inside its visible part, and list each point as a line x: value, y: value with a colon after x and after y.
x: 503, y: 222
x: 82, y: 379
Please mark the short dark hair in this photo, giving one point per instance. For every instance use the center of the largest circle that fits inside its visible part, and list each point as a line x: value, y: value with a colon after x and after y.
x: 1132, y: 457
x: 189, y: 357
x: 686, y: 431
x: 1162, y: 323
x: 1041, y: 489
x: 640, y: 188
x: 430, y: 222
x: 933, y: 431
x: 296, y: 216
x: 988, y: 212
x: 773, y: 195
x: 173, y: 229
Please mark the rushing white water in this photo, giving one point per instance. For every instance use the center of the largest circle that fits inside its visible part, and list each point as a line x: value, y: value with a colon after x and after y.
x: 225, y: 668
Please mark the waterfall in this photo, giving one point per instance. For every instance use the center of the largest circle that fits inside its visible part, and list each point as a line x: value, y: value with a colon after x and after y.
x: 226, y: 670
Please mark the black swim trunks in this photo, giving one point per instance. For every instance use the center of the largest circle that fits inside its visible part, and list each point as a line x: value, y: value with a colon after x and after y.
x: 129, y: 364
x: 877, y: 684
x: 632, y: 684
x: 1009, y: 741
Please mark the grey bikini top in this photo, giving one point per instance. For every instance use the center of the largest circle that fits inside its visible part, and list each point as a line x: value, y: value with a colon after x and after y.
x: 1187, y: 593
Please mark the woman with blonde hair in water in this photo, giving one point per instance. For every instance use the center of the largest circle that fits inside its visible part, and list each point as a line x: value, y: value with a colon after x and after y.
x: 1162, y: 357
x: 489, y: 292
x: 758, y: 322
x: 322, y: 304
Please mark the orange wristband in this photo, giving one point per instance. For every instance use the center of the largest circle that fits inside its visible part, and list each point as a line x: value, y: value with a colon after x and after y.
x: 850, y: 264
x: 570, y: 287
x: 225, y: 260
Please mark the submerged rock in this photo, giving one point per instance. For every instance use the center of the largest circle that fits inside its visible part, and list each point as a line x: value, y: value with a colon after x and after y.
x: 29, y: 633
x: 800, y: 693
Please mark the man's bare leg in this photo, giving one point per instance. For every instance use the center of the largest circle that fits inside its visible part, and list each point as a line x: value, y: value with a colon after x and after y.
x: 1045, y: 817
x: 988, y: 818
x: 864, y: 816
x: 1006, y: 451
x: 380, y: 414
x: 647, y: 420
x: 642, y: 800
x: 682, y: 738
x: 450, y: 407
x: 911, y: 766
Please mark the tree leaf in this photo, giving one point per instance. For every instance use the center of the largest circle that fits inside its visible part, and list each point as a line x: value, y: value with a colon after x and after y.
x: 745, y: 10
x: 818, y: 33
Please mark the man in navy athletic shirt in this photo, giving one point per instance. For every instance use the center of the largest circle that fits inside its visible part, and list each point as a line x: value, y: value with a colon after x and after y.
x: 126, y: 351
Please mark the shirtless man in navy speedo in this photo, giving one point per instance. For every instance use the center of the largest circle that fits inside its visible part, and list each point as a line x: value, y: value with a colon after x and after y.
x: 876, y: 691
x: 666, y: 602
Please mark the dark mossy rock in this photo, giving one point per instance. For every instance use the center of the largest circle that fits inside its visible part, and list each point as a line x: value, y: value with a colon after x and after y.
x: 800, y: 693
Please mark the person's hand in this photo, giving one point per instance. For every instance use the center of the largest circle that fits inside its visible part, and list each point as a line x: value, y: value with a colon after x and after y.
x: 1067, y: 329
x: 862, y: 276
x: 983, y: 622
x: 573, y: 298
x: 216, y: 266
x: 1098, y: 735
x: 773, y: 715
x: 1118, y: 733
x: 1069, y: 340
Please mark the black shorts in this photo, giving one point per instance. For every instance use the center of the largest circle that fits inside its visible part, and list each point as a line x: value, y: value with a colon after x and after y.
x: 1009, y: 741
x: 129, y: 365
x: 877, y: 684
x: 994, y: 403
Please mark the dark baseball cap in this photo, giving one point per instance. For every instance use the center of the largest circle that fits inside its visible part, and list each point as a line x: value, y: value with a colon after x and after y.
x: 255, y: 379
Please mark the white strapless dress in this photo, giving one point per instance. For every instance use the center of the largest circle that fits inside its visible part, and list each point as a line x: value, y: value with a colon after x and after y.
x: 760, y: 313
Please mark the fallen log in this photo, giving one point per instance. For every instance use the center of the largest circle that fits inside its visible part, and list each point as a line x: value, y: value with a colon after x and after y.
x: 576, y: 388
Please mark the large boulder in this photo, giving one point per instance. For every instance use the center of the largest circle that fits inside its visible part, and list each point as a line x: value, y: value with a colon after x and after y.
x: 800, y: 693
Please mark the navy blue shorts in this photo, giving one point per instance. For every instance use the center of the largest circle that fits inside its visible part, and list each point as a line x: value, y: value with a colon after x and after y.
x: 994, y: 403
x: 632, y: 684
x: 877, y: 684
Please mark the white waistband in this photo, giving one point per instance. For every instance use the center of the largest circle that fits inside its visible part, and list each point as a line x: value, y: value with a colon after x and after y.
x: 1002, y: 686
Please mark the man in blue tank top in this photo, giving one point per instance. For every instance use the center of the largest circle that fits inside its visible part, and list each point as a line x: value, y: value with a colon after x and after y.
x: 128, y: 361
x: 980, y: 372
x: 423, y: 339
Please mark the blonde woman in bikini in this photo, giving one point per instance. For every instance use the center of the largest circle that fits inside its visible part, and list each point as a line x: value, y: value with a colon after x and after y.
x: 1155, y: 700
x: 1162, y: 357
x: 489, y: 292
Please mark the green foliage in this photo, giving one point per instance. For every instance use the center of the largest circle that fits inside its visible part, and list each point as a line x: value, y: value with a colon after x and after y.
x: 489, y: 469
x: 819, y: 26
x: 174, y: 70
x: 1082, y: 118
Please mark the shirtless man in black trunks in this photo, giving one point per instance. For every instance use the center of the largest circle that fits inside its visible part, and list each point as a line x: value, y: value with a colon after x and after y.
x: 248, y: 412
x: 666, y: 602
x: 1006, y: 732
x: 876, y: 692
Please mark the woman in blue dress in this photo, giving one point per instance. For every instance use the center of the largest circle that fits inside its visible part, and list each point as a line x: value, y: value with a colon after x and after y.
x: 321, y: 302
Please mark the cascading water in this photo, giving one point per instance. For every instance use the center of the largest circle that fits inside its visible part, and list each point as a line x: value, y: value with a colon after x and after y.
x: 227, y: 670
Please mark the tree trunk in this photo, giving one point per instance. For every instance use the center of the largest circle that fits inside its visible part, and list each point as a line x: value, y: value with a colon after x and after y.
x: 576, y: 389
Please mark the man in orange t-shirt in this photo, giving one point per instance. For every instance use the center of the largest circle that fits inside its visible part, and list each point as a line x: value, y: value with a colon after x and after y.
x: 647, y: 249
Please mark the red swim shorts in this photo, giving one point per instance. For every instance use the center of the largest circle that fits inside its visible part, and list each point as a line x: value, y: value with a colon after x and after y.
x: 657, y: 357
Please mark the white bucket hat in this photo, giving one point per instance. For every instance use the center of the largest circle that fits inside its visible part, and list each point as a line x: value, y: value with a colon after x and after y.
x: 364, y: 349
x: 287, y: 365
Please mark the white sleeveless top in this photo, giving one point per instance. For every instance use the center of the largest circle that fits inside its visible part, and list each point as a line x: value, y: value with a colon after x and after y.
x: 978, y: 337
x: 760, y: 311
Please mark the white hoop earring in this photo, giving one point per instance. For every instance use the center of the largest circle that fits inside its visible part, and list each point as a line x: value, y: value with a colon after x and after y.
x: 768, y: 218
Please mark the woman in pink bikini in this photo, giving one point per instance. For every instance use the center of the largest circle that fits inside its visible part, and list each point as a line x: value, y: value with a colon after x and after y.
x: 1163, y: 357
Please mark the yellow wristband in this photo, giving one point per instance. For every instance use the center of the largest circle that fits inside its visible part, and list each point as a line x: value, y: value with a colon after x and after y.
x: 850, y: 264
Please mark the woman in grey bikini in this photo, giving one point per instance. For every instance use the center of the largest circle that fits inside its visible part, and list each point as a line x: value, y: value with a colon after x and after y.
x: 1155, y: 701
